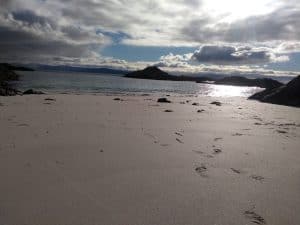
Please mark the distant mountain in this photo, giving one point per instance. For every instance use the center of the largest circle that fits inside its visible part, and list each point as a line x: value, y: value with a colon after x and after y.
x: 80, y: 69
x: 243, y: 81
x: 155, y: 73
x: 288, y: 94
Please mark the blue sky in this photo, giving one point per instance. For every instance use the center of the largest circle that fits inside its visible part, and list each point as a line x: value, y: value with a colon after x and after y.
x: 192, y: 36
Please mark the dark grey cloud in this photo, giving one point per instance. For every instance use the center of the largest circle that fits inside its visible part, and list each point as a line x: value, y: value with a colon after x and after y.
x: 29, y: 18
x: 217, y: 54
x: 24, y: 34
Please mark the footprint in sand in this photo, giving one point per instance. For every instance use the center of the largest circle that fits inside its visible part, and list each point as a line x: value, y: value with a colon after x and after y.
x: 235, y: 170
x: 254, y: 217
x: 177, y: 133
x: 204, y: 154
x: 180, y: 141
x: 201, y: 170
x: 218, y: 138
x: 149, y: 135
x: 198, y: 152
x: 257, y: 177
x: 164, y: 145
x: 281, y: 131
x: 237, y: 134
x: 217, y: 151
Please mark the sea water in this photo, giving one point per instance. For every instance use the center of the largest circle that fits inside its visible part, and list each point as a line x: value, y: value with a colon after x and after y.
x: 74, y: 82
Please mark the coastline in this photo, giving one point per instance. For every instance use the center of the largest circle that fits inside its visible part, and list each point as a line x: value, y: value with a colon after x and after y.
x: 105, y: 161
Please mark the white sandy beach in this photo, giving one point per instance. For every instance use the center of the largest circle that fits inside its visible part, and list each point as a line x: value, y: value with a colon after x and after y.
x: 91, y: 160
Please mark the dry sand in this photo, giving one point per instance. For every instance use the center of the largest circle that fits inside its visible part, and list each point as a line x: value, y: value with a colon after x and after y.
x: 91, y: 160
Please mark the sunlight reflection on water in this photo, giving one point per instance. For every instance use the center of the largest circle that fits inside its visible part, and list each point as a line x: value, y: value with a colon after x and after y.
x: 231, y: 91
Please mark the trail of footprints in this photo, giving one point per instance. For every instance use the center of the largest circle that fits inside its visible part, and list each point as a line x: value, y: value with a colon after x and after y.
x: 203, y: 168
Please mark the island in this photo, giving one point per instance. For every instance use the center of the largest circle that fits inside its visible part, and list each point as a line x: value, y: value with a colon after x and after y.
x: 154, y: 73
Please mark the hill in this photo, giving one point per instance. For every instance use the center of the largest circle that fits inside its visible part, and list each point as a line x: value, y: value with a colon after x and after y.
x: 154, y: 73
x: 288, y: 94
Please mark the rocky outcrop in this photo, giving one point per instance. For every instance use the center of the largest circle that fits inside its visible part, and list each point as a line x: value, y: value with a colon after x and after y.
x: 288, y: 94
x: 7, y: 75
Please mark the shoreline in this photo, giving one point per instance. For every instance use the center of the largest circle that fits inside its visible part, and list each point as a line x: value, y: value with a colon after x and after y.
x: 90, y: 159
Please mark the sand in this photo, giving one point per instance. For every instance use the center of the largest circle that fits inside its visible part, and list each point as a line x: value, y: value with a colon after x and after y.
x: 89, y: 160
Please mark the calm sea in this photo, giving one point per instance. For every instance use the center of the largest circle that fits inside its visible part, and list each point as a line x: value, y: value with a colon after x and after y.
x: 65, y: 82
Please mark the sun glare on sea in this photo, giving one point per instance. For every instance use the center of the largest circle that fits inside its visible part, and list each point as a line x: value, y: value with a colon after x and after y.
x: 231, y: 91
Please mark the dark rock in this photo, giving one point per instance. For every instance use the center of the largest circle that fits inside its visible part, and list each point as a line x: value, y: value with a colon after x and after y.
x: 288, y: 94
x: 117, y: 99
x: 200, y: 110
x: 32, y: 92
x: 195, y: 103
x: 216, y: 103
x: 50, y: 99
x: 163, y: 100
x: 8, y: 91
x: 168, y: 110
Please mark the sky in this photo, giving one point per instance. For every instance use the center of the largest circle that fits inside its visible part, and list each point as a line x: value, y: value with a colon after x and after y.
x: 244, y: 37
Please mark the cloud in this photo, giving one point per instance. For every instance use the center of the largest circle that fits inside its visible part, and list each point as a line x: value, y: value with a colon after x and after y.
x: 76, y: 31
x: 25, y: 34
x: 174, y: 61
x: 279, y: 25
x: 224, y: 54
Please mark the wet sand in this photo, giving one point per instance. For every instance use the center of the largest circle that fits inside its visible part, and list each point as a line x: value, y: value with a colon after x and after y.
x: 128, y: 160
